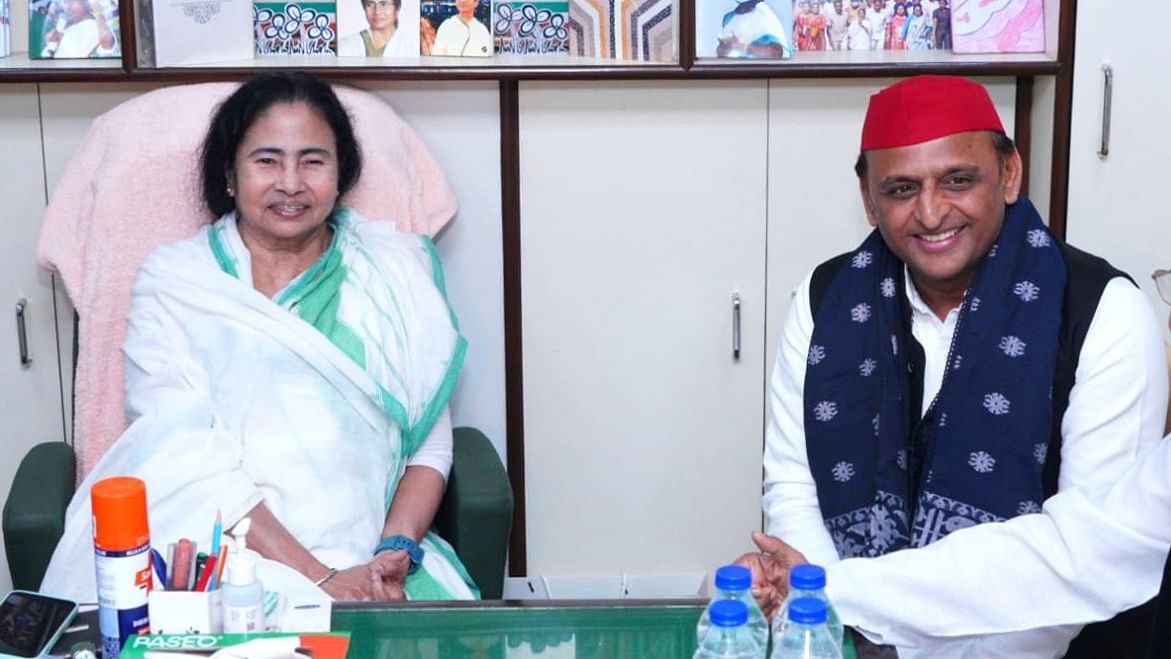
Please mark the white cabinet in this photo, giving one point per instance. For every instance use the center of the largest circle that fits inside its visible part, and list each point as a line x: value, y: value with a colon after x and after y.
x: 31, y: 404
x: 642, y: 213
x: 1116, y: 204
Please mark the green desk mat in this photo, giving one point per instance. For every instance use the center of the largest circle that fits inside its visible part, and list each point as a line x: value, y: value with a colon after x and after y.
x: 508, y: 630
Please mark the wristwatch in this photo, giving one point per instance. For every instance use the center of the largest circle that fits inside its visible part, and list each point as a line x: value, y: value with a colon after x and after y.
x: 402, y: 542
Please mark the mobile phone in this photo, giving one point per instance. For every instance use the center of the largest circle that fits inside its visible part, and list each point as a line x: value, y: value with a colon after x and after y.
x: 30, y: 623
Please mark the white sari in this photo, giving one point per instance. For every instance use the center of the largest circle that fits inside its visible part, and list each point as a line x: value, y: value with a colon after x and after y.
x: 310, y: 402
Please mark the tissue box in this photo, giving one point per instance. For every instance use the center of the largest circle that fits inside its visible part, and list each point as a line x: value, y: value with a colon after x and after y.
x: 185, y: 612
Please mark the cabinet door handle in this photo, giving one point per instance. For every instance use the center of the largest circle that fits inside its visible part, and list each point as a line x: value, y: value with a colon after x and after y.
x: 736, y: 326
x: 1107, y: 101
x: 22, y: 333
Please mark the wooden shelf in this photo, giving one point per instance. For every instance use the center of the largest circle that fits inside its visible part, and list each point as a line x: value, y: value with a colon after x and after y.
x: 19, y: 67
x: 877, y: 63
x: 827, y: 64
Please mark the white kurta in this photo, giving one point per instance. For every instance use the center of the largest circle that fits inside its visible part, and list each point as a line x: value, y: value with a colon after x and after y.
x: 1116, y: 409
x: 233, y: 400
x: 400, y: 45
x: 81, y: 40
x: 456, y: 37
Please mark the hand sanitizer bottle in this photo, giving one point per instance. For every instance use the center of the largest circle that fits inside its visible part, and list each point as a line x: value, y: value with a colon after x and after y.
x: 243, y: 594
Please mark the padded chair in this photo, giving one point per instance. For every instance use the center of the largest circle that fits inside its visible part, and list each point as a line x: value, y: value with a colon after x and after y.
x: 475, y: 515
x: 114, y: 203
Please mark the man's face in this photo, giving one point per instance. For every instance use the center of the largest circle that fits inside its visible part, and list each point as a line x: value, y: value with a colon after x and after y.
x: 816, y: 7
x: 76, y: 10
x: 838, y: 6
x: 465, y: 7
x: 939, y: 205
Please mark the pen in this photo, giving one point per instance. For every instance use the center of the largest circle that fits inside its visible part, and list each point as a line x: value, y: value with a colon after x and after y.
x: 200, y: 566
x: 217, y: 578
x: 204, y: 582
x: 160, y: 567
x: 217, y: 530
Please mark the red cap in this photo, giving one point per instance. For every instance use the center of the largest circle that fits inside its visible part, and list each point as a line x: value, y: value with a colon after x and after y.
x: 925, y: 108
x: 119, y: 513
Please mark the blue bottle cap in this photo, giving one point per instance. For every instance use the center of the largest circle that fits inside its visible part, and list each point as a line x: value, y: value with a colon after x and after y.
x: 807, y: 611
x: 731, y: 613
x: 733, y: 577
x: 807, y: 577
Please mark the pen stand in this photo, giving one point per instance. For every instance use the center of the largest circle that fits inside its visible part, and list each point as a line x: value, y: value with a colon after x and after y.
x: 185, y: 612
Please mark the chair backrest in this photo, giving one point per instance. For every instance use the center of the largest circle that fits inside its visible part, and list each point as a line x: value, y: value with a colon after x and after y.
x: 133, y: 185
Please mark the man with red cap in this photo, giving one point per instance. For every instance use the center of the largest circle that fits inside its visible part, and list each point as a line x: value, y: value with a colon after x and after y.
x: 959, y: 367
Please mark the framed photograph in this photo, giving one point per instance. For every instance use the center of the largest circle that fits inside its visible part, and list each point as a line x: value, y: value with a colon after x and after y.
x: 73, y: 29
x: 456, y: 28
x: 749, y: 29
x: 378, y: 28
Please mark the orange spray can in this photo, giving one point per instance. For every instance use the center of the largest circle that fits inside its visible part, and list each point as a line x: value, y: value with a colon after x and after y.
x: 122, y: 559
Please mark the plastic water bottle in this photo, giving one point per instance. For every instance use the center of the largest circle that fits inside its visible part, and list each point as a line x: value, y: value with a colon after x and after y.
x: 806, y: 635
x: 728, y: 637
x: 732, y: 583
x: 808, y: 580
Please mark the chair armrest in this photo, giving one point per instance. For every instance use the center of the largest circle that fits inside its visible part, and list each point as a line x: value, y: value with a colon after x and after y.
x: 475, y: 515
x: 34, y: 514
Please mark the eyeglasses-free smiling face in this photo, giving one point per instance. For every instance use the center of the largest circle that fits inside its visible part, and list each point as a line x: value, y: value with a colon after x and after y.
x: 939, y: 206
x: 380, y: 13
x: 285, y: 176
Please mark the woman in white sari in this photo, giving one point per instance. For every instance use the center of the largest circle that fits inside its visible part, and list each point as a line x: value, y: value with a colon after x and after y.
x: 291, y: 363
x: 918, y: 30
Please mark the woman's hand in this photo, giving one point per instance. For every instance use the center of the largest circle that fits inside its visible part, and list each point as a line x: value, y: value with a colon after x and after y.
x: 354, y: 584
x: 392, y: 566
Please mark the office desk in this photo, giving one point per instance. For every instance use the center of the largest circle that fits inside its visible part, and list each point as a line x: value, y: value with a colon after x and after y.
x: 546, y: 629
x: 595, y: 629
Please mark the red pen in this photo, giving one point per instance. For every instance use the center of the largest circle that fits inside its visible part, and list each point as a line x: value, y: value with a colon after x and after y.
x: 205, y: 576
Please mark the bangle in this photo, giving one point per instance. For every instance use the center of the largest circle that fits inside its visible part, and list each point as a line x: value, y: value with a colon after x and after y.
x: 402, y: 543
x: 327, y: 577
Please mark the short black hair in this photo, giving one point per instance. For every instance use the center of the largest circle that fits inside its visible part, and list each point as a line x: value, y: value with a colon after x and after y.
x: 238, y: 112
x: 1002, y: 143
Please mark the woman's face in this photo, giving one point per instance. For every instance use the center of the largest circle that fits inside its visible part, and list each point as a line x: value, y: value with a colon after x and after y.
x: 466, y: 8
x: 380, y: 14
x: 900, y: 10
x: 918, y: 10
x: 285, y: 174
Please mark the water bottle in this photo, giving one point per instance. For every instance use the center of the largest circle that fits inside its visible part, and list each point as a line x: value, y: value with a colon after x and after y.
x: 806, y: 635
x: 728, y: 637
x: 732, y: 583
x: 808, y: 580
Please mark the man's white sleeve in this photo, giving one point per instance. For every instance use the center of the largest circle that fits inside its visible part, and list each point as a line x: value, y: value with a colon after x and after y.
x: 791, y: 509
x: 1089, y: 555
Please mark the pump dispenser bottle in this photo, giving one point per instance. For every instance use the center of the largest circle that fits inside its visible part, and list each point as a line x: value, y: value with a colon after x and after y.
x: 243, y: 594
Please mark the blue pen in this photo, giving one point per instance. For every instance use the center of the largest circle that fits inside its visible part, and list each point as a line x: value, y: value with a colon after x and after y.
x: 217, y: 530
x: 160, y: 566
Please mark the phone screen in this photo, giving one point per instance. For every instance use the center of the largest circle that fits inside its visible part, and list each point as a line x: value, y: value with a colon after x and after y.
x: 29, y: 622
